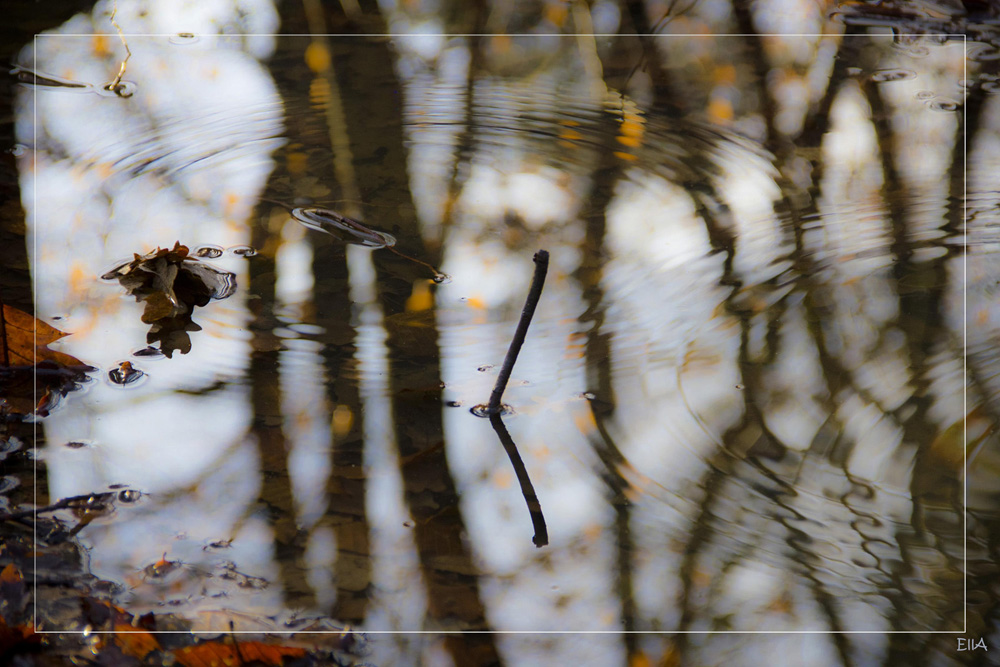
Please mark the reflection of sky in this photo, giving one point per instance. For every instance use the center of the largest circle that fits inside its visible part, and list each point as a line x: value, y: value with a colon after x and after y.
x: 674, y: 347
x: 181, y: 160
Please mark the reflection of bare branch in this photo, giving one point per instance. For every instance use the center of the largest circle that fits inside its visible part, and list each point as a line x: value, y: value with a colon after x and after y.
x: 761, y: 67
x: 541, y: 537
x: 663, y: 96
x: 464, y: 141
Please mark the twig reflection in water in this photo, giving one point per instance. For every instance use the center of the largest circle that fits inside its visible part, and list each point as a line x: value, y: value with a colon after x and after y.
x: 541, y: 536
x: 495, y: 408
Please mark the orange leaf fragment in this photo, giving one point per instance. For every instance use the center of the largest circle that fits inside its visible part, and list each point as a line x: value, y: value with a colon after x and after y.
x: 19, y: 637
x: 11, y: 574
x: 218, y: 654
x: 134, y: 642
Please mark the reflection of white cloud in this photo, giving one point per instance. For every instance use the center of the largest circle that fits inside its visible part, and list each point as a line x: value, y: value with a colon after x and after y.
x: 537, y: 196
x: 246, y: 25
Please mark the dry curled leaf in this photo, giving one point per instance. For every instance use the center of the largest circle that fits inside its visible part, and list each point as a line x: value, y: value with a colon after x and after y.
x: 171, y: 284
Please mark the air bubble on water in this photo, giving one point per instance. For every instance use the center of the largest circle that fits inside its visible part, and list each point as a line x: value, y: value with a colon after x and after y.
x: 589, y: 395
x: 943, y: 104
x: 122, y: 89
x: 924, y: 94
x: 184, y: 38
x: 884, y: 75
x: 129, y: 495
x: 208, y: 251
x: 483, y: 410
x: 9, y: 445
x: 442, y: 278
x: 983, y: 52
x: 483, y: 369
x: 243, y: 250
x: 454, y: 404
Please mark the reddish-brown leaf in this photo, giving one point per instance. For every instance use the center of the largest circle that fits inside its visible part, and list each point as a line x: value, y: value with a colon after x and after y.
x: 23, y: 339
x: 13, y: 594
x: 134, y: 642
x: 219, y: 654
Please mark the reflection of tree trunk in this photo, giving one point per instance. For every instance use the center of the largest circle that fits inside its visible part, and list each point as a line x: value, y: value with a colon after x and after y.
x: 373, y: 112
x: 598, y: 367
x: 267, y: 428
x: 664, y: 96
x: 757, y: 56
x: 346, y: 486
x: 920, y: 286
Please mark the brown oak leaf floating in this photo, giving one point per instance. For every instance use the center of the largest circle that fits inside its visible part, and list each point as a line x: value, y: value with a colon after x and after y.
x: 172, y: 284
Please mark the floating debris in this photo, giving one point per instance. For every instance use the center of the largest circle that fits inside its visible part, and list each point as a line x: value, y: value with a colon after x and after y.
x: 351, y: 231
x: 342, y: 227
x: 32, y: 78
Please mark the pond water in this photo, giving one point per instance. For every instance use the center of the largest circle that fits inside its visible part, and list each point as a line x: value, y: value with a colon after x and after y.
x: 742, y: 402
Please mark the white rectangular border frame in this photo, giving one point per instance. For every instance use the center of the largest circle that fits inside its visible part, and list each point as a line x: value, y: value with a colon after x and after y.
x: 964, y: 237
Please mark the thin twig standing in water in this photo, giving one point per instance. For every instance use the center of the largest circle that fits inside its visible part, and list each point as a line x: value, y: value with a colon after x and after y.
x: 115, y: 86
x: 537, y: 282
